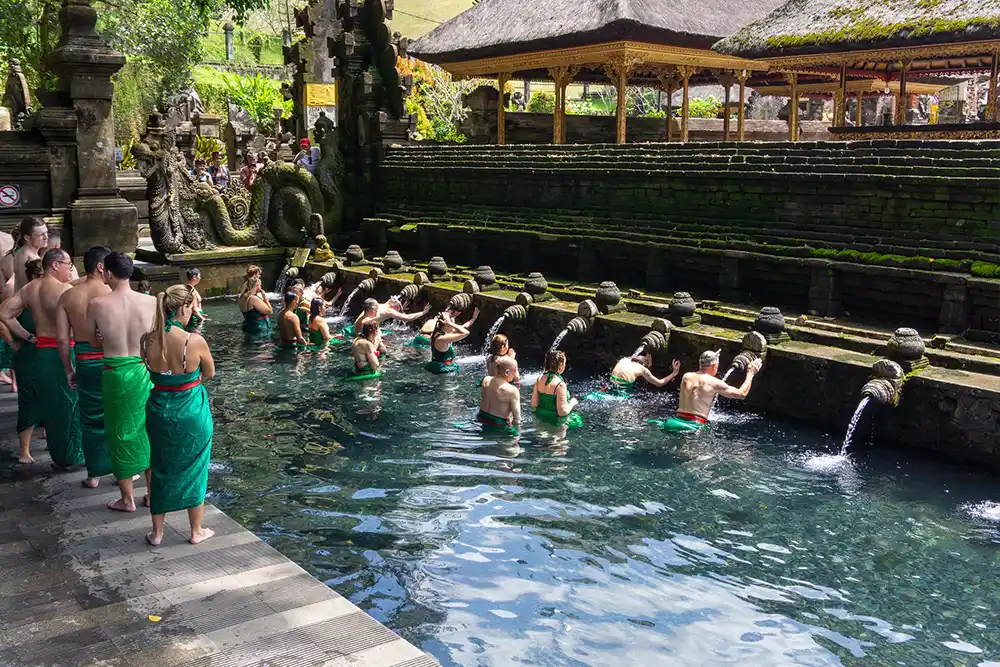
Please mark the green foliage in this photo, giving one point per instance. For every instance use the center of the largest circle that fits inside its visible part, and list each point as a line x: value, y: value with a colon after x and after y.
x: 438, y: 100
x: 702, y: 107
x: 128, y: 160
x: 985, y: 270
x: 135, y: 99
x: 205, y: 146
x: 542, y: 102
x: 260, y: 96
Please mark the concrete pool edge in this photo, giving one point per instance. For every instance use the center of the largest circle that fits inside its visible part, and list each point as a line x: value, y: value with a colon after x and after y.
x: 82, y: 586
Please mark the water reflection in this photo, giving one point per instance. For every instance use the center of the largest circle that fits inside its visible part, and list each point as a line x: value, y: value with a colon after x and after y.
x: 615, y: 543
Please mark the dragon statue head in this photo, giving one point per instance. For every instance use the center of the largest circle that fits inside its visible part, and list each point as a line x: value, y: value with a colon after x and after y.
x: 156, y: 150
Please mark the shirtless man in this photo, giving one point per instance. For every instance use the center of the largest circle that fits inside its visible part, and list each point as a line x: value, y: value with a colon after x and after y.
x: 119, y: 320
x: 85, y: 375
x: 45, y: 395
x: 390, y: 310
x: 500, y: 402
x: 35, y: 235
x: 698, y: 392
x: 289, y: 327
x: 630, y: 369
x: 55, y: 241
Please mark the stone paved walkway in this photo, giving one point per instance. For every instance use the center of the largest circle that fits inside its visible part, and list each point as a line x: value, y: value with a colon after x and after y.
x: 78, y: 585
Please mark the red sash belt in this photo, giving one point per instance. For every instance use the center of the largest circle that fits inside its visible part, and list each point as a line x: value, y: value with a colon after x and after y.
x: 181, y: 387
x: 89, y: 356
x: 692, y: 418
x: 447, y: 362
x: 48, y: 342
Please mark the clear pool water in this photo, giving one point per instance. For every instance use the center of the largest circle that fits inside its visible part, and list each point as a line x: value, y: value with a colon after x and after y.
x: 750, y: 544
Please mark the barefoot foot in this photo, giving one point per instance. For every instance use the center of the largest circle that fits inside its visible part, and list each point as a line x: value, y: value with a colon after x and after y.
x: 5, y: 379
x: 91, y: 482
x: 145, y: 500
x: 25, y: 459
x: 201, y: 535
x: 153, y: 540
x: 121, y: 506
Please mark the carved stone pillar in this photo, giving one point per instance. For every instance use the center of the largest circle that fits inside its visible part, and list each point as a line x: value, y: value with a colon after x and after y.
x: 227, y: 30
x: 84, y: 63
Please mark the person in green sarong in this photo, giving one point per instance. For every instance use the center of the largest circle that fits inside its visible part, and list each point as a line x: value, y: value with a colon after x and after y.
x: 86, y: 374
x: 122, y: 318
x: 367, y: 362
x: 198, y: 318
x: 447, y: 332
x: 178, y: 415
x: 254, y: 305
x: 47, y: 396
x: 550, y: 398
x: 319, y: 330
x: 289, y: 326
x: 698, y: 392
x: 626, y: 373
x: 500, y: 399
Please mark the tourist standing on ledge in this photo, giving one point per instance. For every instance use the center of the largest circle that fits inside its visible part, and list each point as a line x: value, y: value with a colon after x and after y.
x: 45, y: 395
x: 289, y: 327
x: 178, y: 414
x: 500, y: 399
x: 307, y: 157
x: 248, y: 172
x: 193, y: 278
x: 219, y: 172
x: 200, y: 174
x: 35, y: 236
x: 120, y: 320
x: 698, y: 392
x: 86, y: 375
x: 254, y: 305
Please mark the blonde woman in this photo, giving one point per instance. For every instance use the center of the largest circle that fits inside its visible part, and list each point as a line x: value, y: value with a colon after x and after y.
x: 178, y: 415
x: 254, y: 305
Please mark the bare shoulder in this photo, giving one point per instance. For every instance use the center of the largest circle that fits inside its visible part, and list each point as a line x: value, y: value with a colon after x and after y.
x: 511, y: 390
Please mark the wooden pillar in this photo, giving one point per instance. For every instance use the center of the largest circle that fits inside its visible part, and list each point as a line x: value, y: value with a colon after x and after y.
x: 793, y: 106
x: 860, y: 120
x: 741, y: 114
x: 727, y: 79
x: 670, y: 113
x: 840, y: 99
x: 686, y: 71
x: 901, y: 100
x: 620, y: 105
x: 562, y: 108
x: 557, y: 74
x: 501, y: 109
x: 992, y: 102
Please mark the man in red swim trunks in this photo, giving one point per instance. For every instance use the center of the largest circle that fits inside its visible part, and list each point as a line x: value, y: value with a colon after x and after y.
x: 698, y: 391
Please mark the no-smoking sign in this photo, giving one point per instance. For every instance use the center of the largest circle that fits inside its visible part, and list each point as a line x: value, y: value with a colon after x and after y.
x: 10, y: 196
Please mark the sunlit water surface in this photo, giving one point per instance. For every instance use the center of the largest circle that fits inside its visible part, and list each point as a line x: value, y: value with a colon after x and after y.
x: 748, y: 544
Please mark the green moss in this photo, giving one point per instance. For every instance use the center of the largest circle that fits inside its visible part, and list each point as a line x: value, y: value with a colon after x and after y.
x: 985, y: 270
x: 867, y: 29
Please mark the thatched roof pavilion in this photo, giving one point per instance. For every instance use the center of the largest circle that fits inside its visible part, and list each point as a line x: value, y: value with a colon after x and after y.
x: 655, y: 43
x: 889, y: 40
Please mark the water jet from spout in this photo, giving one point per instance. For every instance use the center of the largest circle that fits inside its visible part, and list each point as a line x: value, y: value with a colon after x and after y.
x: 559, y: 339
x: 494, y: 330
x: 347, y: 302
x: 854, y: 424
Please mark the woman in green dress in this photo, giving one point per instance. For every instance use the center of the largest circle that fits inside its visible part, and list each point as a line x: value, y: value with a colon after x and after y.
x: 254, y: 305
x: 550, y: 399
x: 319, y: 330
x: 178, y: 415
x: 447, y: 332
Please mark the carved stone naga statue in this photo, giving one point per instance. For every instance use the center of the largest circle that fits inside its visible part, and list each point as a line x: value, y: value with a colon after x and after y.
x: 187, y: 215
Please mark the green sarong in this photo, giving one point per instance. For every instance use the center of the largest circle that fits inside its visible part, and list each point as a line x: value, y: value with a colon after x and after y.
x: 494, y: 423
x: 316, y: 339
x: 291, y: 346
x: 348, y: 331
x: 179, y: 422
x: 125, y: 386
x: 29, y: 404
x: 547, y: 411
x: 442, y: 362
x: 362, y: 374
x: 60, y: 411
x: 256, y: 324
x: 420, y: 340
x: 617, y: 390
x: 678, y: 424
x: 197, y: 319
x: 89, y: 371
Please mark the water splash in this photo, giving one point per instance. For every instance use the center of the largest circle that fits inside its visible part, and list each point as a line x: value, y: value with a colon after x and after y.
x: 639, y: 350
x: 854, y: 424
x: 558, y: 340
x: 725, y: 378
x: 282, y: 282
x: 347, y: 303
x: 491, y: 333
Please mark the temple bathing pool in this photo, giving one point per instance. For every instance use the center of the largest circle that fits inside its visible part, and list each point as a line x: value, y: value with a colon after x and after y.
x: 749, y: 544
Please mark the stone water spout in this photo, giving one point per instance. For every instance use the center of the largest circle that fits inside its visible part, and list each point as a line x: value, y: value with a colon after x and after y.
x: 884, y: 383
x: 752, y: 348
x: 367, y: 286
x: 410, y: 292
x: 516, y: 313
x: 460, y: 302
x: 653, y: 341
